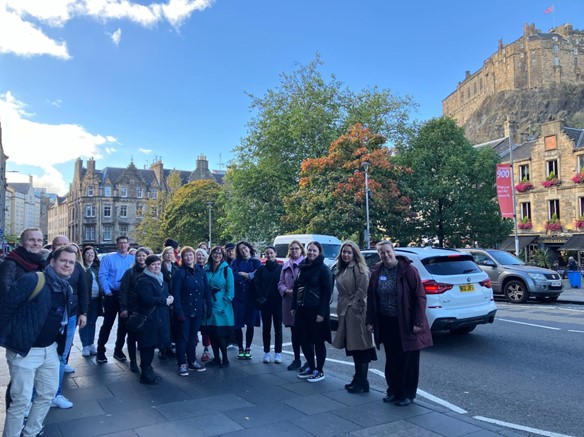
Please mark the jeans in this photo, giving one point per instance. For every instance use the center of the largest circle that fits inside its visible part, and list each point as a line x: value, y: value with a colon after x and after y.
x: 187, y: 339
x: 87, y: 333
x: 68, y: 343
x: 39, y: 369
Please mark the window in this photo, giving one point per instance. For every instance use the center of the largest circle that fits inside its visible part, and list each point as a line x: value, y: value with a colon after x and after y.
x: 123, y: 211
x: 138, y: 210
x: 90, y: 190
x: 139, y: 193
x: 107, y: 232
x: 123, y: 229
x: 107, y: 191
x: 107, y: 210
x: 524, y: 172
x: 90, y: 211
x: 556, y: 60
x: 551, y: 168
x: 525, y: 210
x: 553, y: 208
x: 580, y: 163
x: 124, y: 191
x: 89, y: 233
x: 556, y: 49
x: 581, y: 206
x: 154, y: 194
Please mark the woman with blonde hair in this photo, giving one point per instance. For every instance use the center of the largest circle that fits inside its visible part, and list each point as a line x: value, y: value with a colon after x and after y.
x: 352, y: 279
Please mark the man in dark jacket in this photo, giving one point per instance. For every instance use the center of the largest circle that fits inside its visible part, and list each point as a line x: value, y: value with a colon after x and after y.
x: 31, y: 319
x: 25, y: 258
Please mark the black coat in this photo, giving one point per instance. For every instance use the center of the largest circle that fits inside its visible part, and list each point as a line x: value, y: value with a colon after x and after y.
x: 128, y: 288
x: 266, y: 285
x: 151, y: 300
x: 314, y: 286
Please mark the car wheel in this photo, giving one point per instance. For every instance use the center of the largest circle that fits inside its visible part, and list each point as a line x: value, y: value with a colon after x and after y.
x: 463, y: 330
x: 549, y: 299
x: 516, y: 292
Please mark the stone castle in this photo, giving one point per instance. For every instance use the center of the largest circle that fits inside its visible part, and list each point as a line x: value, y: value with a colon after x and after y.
x: 536, y: 60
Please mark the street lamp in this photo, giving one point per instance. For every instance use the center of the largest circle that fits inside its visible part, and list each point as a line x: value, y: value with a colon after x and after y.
x: 209, y: 205
x: 366, y: 165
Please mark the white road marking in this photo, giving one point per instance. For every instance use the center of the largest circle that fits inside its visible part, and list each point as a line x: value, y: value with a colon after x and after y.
x: 575, y: 330
x: 531, y: 324
x: 521, y: 427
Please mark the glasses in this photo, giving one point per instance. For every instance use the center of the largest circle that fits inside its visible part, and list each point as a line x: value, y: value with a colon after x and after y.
x: 294, y: 248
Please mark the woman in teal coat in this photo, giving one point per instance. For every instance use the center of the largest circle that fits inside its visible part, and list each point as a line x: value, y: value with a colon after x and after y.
x: 220, y: 324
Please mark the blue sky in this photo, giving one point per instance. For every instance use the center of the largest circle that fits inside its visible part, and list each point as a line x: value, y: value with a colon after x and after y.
x: 121, y: 80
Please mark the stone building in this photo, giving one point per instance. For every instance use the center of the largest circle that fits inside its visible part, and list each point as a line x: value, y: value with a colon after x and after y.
x: 103, y: 204
x: 549, y: 186
x: 57, y: 218
x: 23, y: 207
x: 535, y: 60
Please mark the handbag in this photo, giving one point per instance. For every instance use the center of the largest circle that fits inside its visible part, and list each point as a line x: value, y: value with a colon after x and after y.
x: 137, y: 321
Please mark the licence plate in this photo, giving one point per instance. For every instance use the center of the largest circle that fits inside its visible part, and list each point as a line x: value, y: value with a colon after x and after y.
x: 556, y: 283
x: 468, y: 287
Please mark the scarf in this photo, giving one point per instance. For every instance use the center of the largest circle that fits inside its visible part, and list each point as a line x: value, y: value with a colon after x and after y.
x: 158, y: 276
x: 57, y: 284
x: 31, y: 262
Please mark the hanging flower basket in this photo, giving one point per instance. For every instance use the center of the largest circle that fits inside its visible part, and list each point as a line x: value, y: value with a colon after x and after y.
x: 553, y: 226
x: 526, y: 225
x: 578, y: 178
x: 580, y: 222
x: 523, y: 186
x: 551, y: 182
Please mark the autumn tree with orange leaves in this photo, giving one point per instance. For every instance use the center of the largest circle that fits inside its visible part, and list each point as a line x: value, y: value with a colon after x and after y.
x: 331, y: 195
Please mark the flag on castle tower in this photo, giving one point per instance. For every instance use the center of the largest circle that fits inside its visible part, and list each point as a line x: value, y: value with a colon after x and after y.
x: 549, y: 10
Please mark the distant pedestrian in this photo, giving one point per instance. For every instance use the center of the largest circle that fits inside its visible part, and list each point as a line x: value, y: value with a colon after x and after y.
x: 352, y: 279
x: 311, y: 309
x: 396, y: 314
x: 572, y: 264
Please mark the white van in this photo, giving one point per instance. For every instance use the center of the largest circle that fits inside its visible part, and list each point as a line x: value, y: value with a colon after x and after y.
x: 331, y: 246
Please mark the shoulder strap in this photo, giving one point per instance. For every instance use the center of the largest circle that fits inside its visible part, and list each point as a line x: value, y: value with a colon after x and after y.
x: 225, y: 272
x: 39, y: 286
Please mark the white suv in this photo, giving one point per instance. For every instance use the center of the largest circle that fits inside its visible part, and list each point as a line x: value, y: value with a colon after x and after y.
x: 459, y: 294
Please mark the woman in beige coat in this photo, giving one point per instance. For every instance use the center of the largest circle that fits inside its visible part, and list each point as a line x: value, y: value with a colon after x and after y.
x: 352, y: 279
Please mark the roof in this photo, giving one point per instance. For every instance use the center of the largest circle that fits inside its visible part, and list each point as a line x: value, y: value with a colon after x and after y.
x: 576, y: 242
x: 576, y: 135
x: 21, y: 187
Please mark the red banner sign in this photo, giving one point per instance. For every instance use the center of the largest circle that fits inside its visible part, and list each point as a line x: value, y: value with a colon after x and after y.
x: 505, y: 191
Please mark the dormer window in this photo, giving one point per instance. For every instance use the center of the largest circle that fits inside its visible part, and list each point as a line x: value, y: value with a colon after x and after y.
x: 90, y: 190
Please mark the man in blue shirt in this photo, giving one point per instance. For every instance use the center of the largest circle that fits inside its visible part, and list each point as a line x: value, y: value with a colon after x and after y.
x: 111, y: 271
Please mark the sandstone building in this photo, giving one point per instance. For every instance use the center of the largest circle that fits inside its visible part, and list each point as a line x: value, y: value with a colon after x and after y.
x: 536, y: 60
x: 102, y: 204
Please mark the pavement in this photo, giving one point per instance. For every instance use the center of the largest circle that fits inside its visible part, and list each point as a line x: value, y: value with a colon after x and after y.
x: 249, y: 398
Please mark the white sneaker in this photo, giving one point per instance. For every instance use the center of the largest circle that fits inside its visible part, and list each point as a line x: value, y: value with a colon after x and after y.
x: 69, y: 369
x: 267, y: 358
x: 92, y: 350
x: 61, y: 402
x: 277, y: 358
x: 86, y: 351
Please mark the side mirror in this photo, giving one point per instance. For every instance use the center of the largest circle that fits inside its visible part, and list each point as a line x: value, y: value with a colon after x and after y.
x: 489, y: 263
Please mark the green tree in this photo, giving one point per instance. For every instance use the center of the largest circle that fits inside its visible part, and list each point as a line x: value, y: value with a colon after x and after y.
x: 452, y: 188
x: 331, y: 194
x: 187, y: 214
x: 150, y: 231
x: 295, y: 121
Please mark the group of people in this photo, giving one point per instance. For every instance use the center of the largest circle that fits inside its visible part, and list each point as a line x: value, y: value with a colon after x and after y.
x: 164, y: 302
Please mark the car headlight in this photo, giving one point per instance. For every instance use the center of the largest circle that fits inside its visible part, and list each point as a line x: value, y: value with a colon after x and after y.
x: 537, y: 276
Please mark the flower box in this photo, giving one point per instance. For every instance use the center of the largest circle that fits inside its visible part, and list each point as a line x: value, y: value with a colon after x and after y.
x: 551, y: 182
x: 578, y: 178
x: 553, y: 226
x: 526, y: 225
x: 523, y: 186
x: 580, y: 223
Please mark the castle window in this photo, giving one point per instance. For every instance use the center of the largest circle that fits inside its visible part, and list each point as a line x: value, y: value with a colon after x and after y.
x: 107, y: 191
x: 124, y: 191
x: 90, y: 211
x: 107, y: 232
x: 524, y: 172
x: 525, y: 210
x: 553, y: 208
x: 89, y: 233
x: 90, y: 190
x: 551, y: 168
x: 124, y: 211
x: 107, y: 210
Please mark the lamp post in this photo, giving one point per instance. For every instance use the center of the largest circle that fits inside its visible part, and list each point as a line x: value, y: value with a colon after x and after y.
x: 209, y: 207
x: 366, y: 165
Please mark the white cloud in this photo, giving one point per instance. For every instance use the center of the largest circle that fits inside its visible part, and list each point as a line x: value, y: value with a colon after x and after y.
x: 20, y: 36
x: 109, y: 150
x: 43, y: 145
x: 145, y: 151
x: 57, y: 103
x: 117, y: 36
x: 111, y: 139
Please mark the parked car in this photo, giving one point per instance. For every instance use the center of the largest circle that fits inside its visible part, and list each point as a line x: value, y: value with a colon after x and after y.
x: 459, y: 295
x: 516, y: 280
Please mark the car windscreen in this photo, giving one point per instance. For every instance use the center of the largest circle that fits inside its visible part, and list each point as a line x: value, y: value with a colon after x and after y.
x: 505, y: 258
x: 450, y: 265
x: 281, y: 250
x: 328, y: 250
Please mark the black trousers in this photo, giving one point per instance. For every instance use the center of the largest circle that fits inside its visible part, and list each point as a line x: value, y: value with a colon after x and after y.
x: 311, y: 337
x: 111, y: 308
x: 270, y: 314
x: 146, y: 357
x: 402, y: 369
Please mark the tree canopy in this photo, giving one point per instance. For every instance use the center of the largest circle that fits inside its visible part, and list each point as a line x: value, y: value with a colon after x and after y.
x: 293, y: 122
x: 452, y: 188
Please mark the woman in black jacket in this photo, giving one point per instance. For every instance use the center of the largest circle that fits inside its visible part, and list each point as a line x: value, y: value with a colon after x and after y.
x: 128, y: 299
x: 152, y: 300
x: 192, y: 302
x: 311, y: 309
x: 269, y: 301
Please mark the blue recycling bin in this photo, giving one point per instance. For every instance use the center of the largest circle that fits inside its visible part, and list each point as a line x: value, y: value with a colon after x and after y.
x: 575, y: 279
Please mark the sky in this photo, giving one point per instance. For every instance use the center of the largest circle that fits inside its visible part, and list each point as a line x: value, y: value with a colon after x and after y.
x: 141, y: 80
